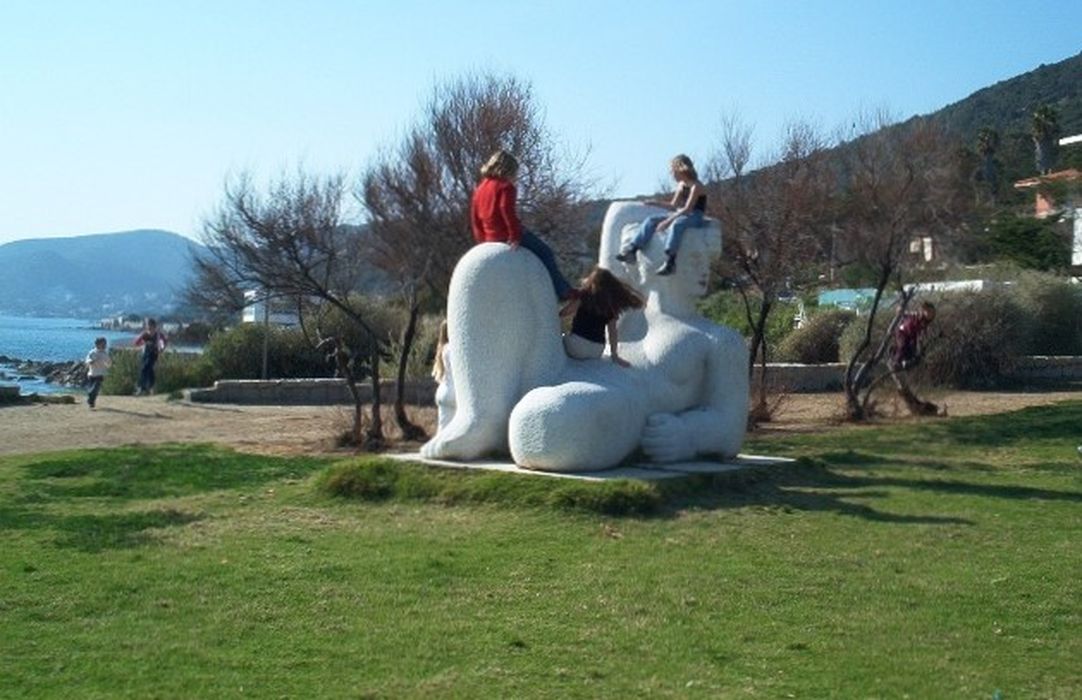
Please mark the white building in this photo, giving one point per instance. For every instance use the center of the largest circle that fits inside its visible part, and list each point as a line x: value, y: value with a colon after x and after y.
x: 256, y: 310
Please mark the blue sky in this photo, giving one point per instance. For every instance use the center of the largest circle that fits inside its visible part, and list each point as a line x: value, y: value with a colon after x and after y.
x: 123, y: 115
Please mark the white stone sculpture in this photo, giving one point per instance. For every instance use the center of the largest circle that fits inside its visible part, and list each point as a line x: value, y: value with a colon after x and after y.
x: 684, y: 395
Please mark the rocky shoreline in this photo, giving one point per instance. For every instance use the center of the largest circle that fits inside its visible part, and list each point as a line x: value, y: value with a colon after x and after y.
x: 13, y: 369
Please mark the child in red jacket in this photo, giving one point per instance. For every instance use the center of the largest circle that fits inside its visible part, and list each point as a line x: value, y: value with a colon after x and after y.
x: 495, y: 219
x: 908, y: 333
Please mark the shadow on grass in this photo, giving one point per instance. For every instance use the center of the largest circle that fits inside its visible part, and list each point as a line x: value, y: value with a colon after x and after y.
x: 136, y: 414
x: 1061, y: 421
x: 96, y: 533
x: 153, y: 472
x: 110, y: 478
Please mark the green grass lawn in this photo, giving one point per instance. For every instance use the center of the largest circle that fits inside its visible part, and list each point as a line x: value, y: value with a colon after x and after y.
x: 939, y: 560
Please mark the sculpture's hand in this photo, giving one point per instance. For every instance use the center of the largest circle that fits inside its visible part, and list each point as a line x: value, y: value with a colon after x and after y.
x: 665, y: 438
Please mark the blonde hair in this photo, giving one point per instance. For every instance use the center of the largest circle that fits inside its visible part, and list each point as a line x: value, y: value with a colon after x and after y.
x: 682, y: 165
x: 439, y: 371
x: 500, y: 164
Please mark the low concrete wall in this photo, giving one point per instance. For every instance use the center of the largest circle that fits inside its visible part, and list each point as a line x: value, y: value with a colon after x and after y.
x: 306, y: 392
x: 1049, y: 368
x: 788, y: 377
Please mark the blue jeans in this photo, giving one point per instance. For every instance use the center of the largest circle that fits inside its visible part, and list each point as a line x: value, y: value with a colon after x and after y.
x: 94, y: 384
x: 146, y: 374
x: 539, y: 248
x: 673, y: 236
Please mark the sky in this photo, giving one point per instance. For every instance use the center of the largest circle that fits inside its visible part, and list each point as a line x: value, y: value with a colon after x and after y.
x: 125, y: 115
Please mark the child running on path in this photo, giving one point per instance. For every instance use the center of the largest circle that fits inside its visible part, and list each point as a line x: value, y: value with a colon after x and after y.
x: 495, y: 219
x: 689, y: 206
x: 98, y: 363
x: 602, y: 298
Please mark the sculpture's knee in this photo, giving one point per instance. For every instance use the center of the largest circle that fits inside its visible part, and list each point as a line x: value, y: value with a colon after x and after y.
x: 578, y: 426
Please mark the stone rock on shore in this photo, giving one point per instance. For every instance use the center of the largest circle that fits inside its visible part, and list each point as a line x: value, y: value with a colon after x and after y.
x: 60, y: 373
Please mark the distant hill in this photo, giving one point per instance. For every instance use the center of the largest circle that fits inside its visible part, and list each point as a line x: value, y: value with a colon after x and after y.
x: 96, y: 275
x: 1008, y: 107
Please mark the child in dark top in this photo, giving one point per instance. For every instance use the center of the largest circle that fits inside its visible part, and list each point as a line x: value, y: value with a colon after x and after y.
x: 494, y: 217
x: 689, y: 206
x: 602, y: 298
x: 907, y: 335
x: 153, y: 342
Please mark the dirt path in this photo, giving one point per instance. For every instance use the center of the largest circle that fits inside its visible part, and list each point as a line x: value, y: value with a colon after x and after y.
x: 123, y: 420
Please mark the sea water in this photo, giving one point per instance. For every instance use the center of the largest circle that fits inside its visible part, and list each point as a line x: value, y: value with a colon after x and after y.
x: 50, y: 340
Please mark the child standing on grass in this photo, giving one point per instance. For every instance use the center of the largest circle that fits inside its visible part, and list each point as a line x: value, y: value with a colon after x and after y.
x: 494, y: 217
x: 153, y: 342
x: 689, y: 206
x: 602, y: 298
x: 98, y: 363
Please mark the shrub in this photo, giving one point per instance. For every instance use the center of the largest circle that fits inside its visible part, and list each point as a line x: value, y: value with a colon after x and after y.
x: 817, y: 340
x: 1052, y: 308
x: 174, y: 371
x: 237, y: 353
x: 975, y: 341
x: 854, y: 332
x: 1030, y: 243
x: 726, y: 307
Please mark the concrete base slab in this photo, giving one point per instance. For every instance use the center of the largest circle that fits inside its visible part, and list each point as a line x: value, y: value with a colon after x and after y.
x: 644, y: 472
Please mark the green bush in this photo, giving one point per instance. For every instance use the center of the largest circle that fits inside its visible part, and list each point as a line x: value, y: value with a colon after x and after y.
x: 173, y: 372
x: 817, y: 340
x: 1051, y: 307
x: 237, y: 353
x: 1036, y: 244
x: 726, y: 307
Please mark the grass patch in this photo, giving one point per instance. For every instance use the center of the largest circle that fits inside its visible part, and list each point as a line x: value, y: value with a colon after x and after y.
x: 936, y: 559
x: 380, y: 479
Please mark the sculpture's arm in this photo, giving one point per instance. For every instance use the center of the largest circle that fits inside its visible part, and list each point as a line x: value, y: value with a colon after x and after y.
x: 718, y: 426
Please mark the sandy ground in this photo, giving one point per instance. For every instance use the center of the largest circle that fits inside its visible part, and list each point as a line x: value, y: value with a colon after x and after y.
x: 123, y: 420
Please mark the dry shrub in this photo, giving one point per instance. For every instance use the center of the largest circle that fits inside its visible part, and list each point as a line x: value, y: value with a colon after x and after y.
x: 975, y: 341
x: 817, y: 340
x: 1052, y: 308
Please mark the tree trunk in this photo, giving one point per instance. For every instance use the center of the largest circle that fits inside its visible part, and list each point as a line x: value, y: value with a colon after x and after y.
x: 374, y: 439
x: 410, y: 431
x: 760, y: 412
x: 916, y: 405
x: 854, y: 378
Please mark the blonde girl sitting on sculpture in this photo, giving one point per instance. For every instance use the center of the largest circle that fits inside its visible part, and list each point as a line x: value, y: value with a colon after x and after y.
x: 602, y: 298
x: 689, y: 206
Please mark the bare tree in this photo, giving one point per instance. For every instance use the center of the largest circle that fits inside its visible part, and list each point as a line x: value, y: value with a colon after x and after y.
x: 773, y: 220
x: 293, y: 241
x: 417, y: 195
x: 896, y: 182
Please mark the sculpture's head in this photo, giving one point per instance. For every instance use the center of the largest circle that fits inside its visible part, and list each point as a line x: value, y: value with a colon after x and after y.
x: 697, y: 249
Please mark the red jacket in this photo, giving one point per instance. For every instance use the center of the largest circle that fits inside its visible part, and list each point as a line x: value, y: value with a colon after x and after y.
x: 492, y: 212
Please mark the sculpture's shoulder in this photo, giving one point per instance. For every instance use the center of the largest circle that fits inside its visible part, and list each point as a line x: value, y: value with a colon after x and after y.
x: 714, y: 333
x: 494, y: 268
